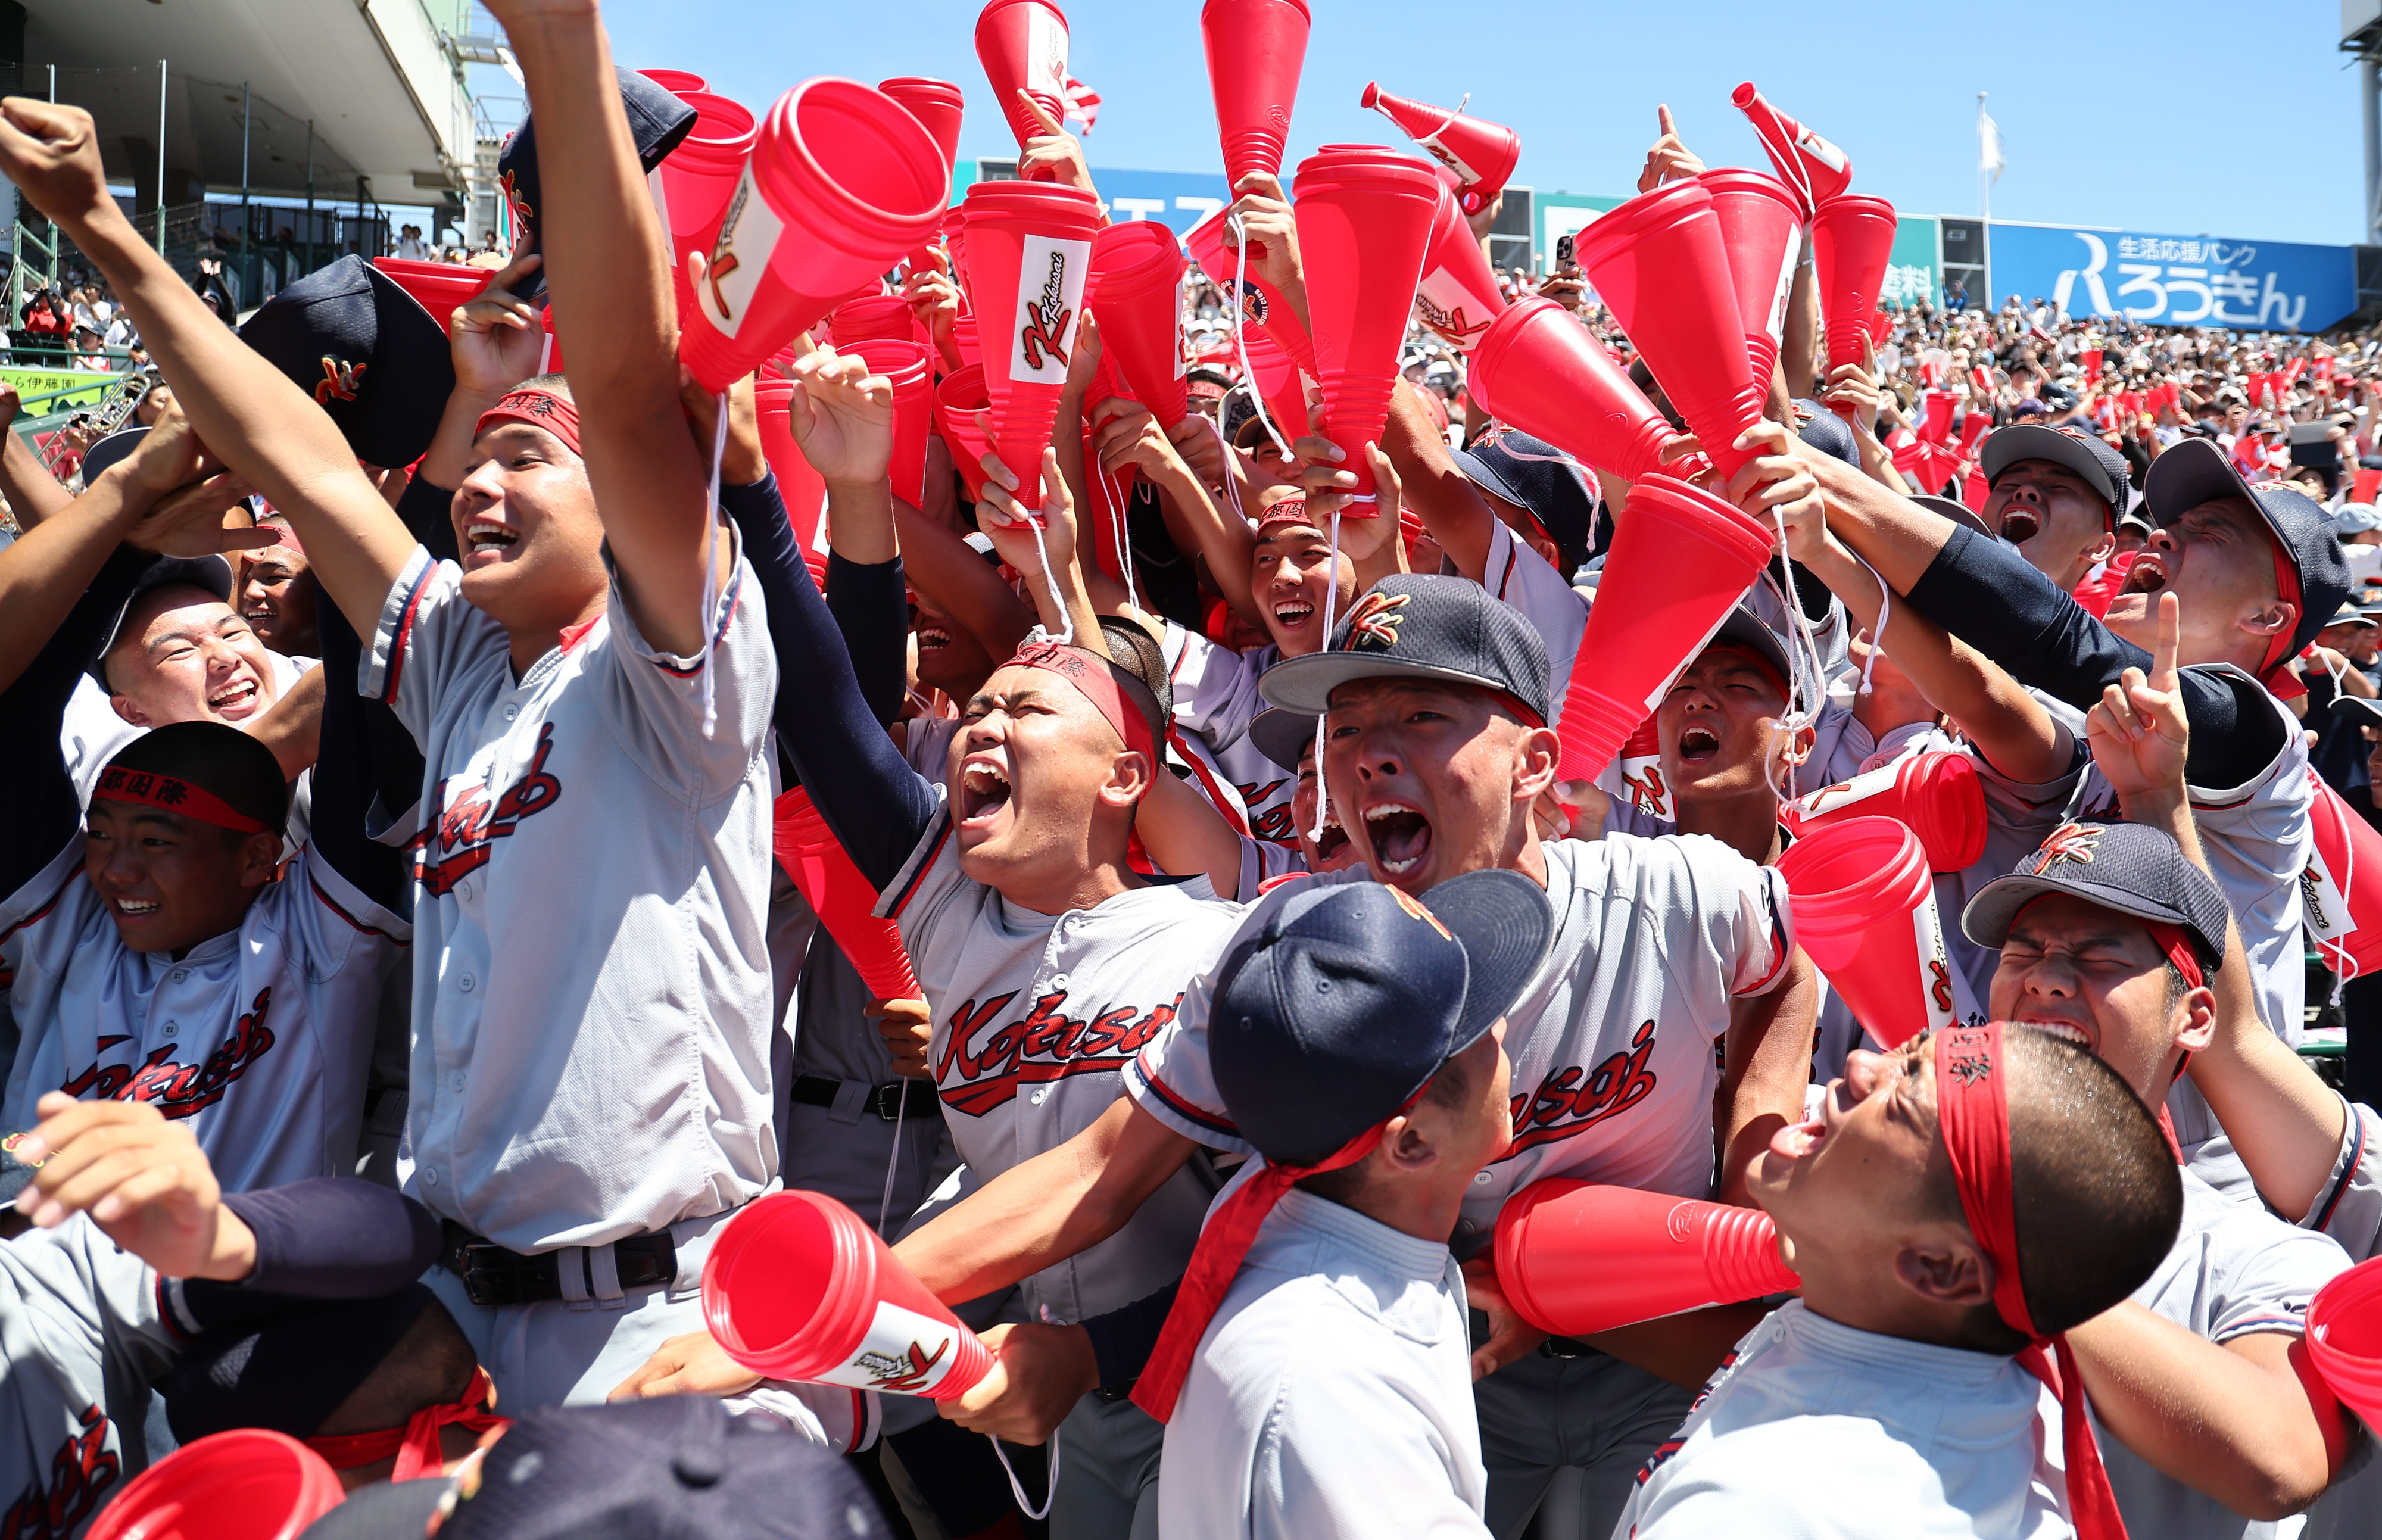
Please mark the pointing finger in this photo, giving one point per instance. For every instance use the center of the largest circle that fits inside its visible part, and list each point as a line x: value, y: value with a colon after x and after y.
x: 1663, y: 114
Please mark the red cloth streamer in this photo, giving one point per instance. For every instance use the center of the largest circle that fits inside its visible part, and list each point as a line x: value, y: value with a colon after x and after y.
x: 1973, y: 1105
x: 1095, y: 679
x: 174, y: 795
x: 416, y: 1444
x: 537, y: 408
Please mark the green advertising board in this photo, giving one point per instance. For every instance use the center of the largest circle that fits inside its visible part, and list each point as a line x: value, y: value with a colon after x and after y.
x: 1914, y: 271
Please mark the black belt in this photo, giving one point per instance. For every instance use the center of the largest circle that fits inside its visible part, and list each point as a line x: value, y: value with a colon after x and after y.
x: 492, y: 1275
x: 1567, y: 1347
x: 885, y: 1101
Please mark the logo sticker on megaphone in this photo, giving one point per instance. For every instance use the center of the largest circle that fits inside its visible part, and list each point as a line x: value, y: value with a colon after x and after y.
x: 1050, y: 297
x: 748, y: 238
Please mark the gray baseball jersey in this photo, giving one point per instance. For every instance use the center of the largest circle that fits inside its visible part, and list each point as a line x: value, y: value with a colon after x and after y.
x: 1034, y: 1017
x: 2348, y: 1206
x: 591, y: 990
x: 1614, y: 1044
x: 1215, y: 700
x: 259, y: 1037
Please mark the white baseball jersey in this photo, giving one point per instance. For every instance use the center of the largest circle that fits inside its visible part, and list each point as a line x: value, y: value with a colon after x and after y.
x: 1522, y: 577
x: 1215, y: 700
x: 1615, y: 1042
x: 592, y: 1009
x: 259, y: 1037
x: 2348, y: 1206
x: 1823, y: 1432
x: 1035, y: 1017
x: 2234, y: 1270
x: 84, y: 1333
x: 1332, y: 1393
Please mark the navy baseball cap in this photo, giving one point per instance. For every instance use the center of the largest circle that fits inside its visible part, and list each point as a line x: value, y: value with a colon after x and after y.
x: 658, y: 121
x: 367, y: 352
x: 290, y: 1370
x: 1412, y: 625
x: 2089, y: 456
x: 1959, y: 512
x: 1343, y: 1007
x: 1285, y: 737
x: 669, y: 1468
x: 110, y: 451
x: 2130, y: 867
x: 1540, y: 479
x: 1818, y: 426
x: 210, y: 574
x: 2196, y: 472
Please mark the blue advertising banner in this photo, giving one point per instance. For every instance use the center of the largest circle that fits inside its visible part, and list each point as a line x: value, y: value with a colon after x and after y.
x: 2175, y: 281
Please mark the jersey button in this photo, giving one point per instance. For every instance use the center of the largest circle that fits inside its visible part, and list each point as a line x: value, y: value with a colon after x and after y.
x: 511, y: 712
x: 465, y: 983
x: 172, y: 1027
x: 459, y: 1082
x: 178, y: 975
x: 1040, y: 1094
x: 1481, y: 1179
x: 1059, y: 982
x: 429, y: 1178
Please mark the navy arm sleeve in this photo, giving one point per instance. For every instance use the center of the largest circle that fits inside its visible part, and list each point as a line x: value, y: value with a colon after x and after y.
x: 1124, y: 1338
x: 876, y: 805
x: 424, y: 509
x: 1984, y: 593
x: 43, y: 811
x: 330, y: 1238
x: 353, y: 765
x: 871, y: 607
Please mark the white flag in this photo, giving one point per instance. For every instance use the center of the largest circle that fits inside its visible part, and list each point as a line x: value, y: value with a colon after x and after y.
x: 1989, y: 135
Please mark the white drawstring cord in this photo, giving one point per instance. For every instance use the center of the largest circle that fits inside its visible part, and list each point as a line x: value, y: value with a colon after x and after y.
x: 710, y: 564
x: 1066, y: 615
x: 1121, y: 531
x: 1241, y: 332
x: 1050, y: 1487
x: 1877, y: 634
x: 1797, y: 718
x: 1331, y: 594
x: 900, y: 1106
x: 1232, y: 482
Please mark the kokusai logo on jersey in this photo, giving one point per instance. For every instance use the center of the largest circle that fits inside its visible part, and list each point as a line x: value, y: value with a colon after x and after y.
x: 459, y: 836
x: 177, y: 1090
x: 81, y: 1472
x: 984, y: 1065
x: 748, y: 238
x: 1049, y: 296
x: 1569, y: 1099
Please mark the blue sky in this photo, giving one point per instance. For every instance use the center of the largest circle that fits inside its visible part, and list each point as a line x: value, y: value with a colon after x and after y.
x: 2186, y: 118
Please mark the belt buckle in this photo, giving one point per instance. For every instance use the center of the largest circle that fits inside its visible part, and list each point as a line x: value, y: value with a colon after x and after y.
x: 485, y: 1282
x: 885, y: 1101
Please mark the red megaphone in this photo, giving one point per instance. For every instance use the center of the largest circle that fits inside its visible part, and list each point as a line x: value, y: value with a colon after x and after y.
x: 936, y: 104
x: 1255, y: 51
x: 796, y: 1287
x: 1761, y: 229
x: 1865, y: 914
x: 1137, y: 280
x: 1364, y: 221
x: 677, y: 82
x: 250, y: 1483
x: 1022, y: 46
x: 1030, y: 247
x: 840, y: 183
x: 1658, y: 264
x: 843, y: 899
x: 1575, y: 1258
x: 440, y: 287
x: 1540, y: 370
x: 1937, y: 795
x: 801, y: 489
x: 1259, y: 300
x: 963, y: 419
x: 872, y: 318
x: 2344, y: 1339
x: 1459, y: 294
x: 692, y: 186
x: 1679, y: 564
x: 1852, y: 240
x: 1480, y: 153
x: 1816, y: 169
x: 2344, y: 885
x: 903, y: 361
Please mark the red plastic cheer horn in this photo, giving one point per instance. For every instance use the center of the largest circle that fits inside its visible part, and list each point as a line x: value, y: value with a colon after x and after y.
x: 1364, y: 220
x: 1255, y: 51
x: 796, y: 1287
x: 1022, y: 46
x: 1851, y: 239
x: 834, y: 886
x: 1658, y: 264
x: 1865, y: 914
x: 691, y: 188
x: 440, y: 287
x: 1030, y: 247
x: 1537, y: 369
x: 841, y: 181
x: 250, y: 1483
x: 903, y: 362
x: 1260, y: 301
x: 1641, y: 772
x: 2344, y: 1339
x: 938, y: 105
x: 677, y: 82
x: 963, y: 418
x: 1937, y: 795
x: 1460, y: 295
x: 1482, y: 154
x: 803, y: 489
x: 1137, y: 278
x: 1761, y: 229
x: 872, y: 318
x: 2343, y: 886
x: 1679, y: 564
x: 1575, y: 1257
x: 1816, y: 169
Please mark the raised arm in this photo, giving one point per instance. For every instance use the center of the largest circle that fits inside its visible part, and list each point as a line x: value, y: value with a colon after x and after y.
x: 245, y: 410
x: 33, y: 494
x: 947, y: 571
x: 608, y: 268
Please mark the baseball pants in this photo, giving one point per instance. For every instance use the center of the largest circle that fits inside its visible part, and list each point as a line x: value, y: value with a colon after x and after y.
x: 1597, y: 1415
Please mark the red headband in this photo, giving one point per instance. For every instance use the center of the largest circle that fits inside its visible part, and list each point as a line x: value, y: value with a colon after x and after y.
x: 416, y: 1444
x: 175, y: 795
x: 1094, y: 678
x: 2176, y: 941
x: 538, y: 409
x: 1972, y: 1108
x: 2287, y: 587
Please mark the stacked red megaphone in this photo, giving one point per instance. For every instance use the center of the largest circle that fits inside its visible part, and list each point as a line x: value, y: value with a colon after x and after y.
x: 963, y: 419
x: 691, y: 188
x: 1816, y: 169
x: 872, y: 318
x: 1853, y: 239
x: 1136, y: 282
x: 1029, y: 250
x: 796, y: 1287
x: 1458, y: 295
x: 1659, y: 265
x: 1537, y: 369
x: 1364, y: 220
x: 1482, y: 154
x: 677, y: 82
x: 1937, y: 795
x: 1257, y: 300
x: 2344, y: 1339
x: 2343, y: 885
x: 250, y: 1483
x: 1575, y: 1258
x: 801, y: 489
x: 841, y: 181
x: 1865, y: 914
x: 440, y: 287
x: 844, y: 900
x: 1022, y: 46
x: 938, y: 105
x: 903, y: 362
x: 1641, y: 772
x: 1761, y: 229
x: 1255, y: 51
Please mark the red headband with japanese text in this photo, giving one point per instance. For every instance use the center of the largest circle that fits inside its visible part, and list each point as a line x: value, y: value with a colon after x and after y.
x: 173, y: 794
x: 1096, y: 678
x: 538, y: 409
